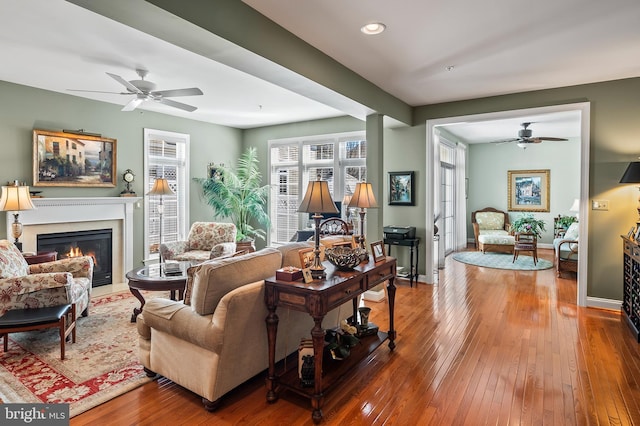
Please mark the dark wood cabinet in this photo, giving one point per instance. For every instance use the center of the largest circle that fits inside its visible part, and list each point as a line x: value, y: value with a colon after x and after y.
x: 631, y: 284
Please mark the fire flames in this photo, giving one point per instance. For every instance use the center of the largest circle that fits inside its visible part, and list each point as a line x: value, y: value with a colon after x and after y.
x: 76, y: 252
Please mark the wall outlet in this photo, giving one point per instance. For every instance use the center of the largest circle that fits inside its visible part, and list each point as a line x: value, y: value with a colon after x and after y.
x: 599, y: 204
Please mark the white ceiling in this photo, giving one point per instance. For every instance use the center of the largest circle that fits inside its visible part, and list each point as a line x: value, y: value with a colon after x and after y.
x: 514, y: 46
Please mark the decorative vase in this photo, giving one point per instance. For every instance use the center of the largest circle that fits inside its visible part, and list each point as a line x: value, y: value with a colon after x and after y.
x: 364, y: 316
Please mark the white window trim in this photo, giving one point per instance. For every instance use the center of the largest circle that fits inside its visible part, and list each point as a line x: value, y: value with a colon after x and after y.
x: 183, y: 204
x: 337, y: 164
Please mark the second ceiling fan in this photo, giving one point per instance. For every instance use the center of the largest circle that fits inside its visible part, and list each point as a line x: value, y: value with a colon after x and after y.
x: 525, y: 137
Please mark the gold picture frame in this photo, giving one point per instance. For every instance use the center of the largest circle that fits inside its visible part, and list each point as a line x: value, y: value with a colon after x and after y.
x: 307, y: 255
x: 378, y: 252
x: 70, y: 159
x: 528, y: 190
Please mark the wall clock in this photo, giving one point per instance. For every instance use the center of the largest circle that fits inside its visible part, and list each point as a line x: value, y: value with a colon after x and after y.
x: 128, y: 177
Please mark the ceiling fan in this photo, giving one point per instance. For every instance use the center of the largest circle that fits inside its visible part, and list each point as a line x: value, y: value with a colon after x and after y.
x: 525, y: 138
x: 144, y: 90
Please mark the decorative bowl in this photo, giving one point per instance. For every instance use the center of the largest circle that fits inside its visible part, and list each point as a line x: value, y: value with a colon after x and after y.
x: 344, y: 258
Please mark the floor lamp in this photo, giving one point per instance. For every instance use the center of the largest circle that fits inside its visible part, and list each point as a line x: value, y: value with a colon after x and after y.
x: 317, y: 200
x: 16, y: 198
x: 364, y: 199
x: 161, y: 188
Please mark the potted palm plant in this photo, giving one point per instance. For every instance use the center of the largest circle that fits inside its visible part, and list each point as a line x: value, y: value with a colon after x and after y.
x: 238, y: 194
x: 528, y: 224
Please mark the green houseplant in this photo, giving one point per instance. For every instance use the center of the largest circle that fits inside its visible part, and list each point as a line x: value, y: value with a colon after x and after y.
x: 566, y: 221
x: 529, y: 225
x: 240, y: 196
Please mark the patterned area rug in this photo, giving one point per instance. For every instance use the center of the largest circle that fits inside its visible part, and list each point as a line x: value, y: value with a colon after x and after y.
x: 102, y: 364
x: 501, y: 261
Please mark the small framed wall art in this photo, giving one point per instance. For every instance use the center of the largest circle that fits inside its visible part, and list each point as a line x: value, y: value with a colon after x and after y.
x: 401, y: 189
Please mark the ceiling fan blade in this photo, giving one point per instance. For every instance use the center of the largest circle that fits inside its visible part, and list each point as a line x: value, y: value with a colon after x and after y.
x: 133, y: 104
x: 125, y: 83
x: 98, y: 91
x: 544, y: 138
x: 193, y: 91
x: 179, y: 105
x: 505, y: 141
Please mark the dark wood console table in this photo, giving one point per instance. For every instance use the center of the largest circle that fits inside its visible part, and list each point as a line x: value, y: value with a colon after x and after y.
x: 317, y: 299
x: 412, y: 243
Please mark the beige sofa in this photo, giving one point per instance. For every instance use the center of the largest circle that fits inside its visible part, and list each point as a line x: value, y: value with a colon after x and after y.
x: 217, y: 338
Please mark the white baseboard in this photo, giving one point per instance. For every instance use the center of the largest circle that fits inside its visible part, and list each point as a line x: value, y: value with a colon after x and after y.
x: 598, y: 302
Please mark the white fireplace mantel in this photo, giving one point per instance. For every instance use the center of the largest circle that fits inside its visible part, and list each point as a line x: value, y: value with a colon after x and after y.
x: 83, y: 209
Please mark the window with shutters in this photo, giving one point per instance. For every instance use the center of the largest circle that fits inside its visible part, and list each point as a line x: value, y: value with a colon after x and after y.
x: 339, y: 159
x: 166, y: 155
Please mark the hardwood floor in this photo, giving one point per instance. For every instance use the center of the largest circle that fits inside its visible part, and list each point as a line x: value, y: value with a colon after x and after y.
x: 483, y: 346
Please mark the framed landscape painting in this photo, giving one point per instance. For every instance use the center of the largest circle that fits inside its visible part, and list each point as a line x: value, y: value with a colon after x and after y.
x: 69, y: 159
x: 528, y: 190
x: 401, y: 189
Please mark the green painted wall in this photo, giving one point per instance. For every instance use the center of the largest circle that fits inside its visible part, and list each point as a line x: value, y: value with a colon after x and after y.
x: 24, y: 108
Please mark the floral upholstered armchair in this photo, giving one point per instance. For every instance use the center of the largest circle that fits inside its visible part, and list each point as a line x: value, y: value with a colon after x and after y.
x: 61, y: 282
x: 206, y: 240
x: 491, y: 230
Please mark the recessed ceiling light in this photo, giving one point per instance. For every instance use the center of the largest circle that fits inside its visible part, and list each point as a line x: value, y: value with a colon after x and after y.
x: 373, y: 28
x: 449, y: 68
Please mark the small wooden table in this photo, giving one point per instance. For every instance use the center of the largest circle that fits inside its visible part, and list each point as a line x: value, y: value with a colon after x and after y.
x: 153, y: 278
x: 525, y: 242
x: 317, y: 299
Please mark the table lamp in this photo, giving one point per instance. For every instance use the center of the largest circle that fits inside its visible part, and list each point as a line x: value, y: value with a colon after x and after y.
x: 16, y: 198
x: 317, y: 200
x: 575, y: 207
x: 161, y: 188
x: 632, y: 175
x: 363, y: 197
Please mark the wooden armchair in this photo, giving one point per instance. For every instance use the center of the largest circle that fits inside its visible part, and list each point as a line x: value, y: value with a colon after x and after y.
x: 566, y: 250
x: 491, y: 229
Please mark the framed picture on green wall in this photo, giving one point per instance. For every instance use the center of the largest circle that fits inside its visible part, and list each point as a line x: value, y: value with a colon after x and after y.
x: 401, y: 189
x: 528, y: 190
x: 70, y: 159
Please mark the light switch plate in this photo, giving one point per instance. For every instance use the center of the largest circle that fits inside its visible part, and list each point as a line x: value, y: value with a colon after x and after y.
x: 599, y: 204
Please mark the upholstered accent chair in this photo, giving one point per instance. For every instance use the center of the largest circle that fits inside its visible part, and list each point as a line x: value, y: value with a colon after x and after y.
x: 491, y: 230
x: 206, y: 240
x: 62, y: 282
x: 566, y: 250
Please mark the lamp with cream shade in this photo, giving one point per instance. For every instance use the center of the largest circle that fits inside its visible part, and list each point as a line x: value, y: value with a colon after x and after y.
x: 317, y: 200
x: 161, y: 188
x: 16, y: 198
x: 575, y: 207
x: 364, y: 199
